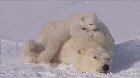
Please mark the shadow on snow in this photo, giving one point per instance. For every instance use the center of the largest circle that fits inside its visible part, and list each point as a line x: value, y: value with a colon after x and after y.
x: 126, y: 55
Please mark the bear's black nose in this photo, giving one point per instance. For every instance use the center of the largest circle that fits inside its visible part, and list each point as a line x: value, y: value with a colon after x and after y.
x: 105, y: 67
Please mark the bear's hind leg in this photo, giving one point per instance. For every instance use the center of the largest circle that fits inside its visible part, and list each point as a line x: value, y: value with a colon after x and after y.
x: 31, y: 50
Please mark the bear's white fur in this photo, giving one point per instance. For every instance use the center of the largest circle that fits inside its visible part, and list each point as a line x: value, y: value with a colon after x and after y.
x: 55, y: 34
x: 85, y: 54
x: 31, y: 51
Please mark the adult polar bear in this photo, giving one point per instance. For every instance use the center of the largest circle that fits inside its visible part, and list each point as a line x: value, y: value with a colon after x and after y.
x: 55, y: 34
x: 86, y: 55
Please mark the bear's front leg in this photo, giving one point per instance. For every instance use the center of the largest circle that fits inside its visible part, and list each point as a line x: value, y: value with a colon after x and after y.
x: 31, y: 51
x: 47, y: 55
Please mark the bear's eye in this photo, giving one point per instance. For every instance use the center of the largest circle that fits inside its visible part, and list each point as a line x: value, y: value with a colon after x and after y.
x: 95, y: 57
x: 83, y: 18
x: 108, y: 59
x: 84, y: 28
x: 94, y: 29
x: 90, y: 24
x: 79, y: 52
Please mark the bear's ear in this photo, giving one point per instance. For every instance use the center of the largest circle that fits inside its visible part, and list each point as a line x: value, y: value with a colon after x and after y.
x: 95, y: 21
x: 84, y: 16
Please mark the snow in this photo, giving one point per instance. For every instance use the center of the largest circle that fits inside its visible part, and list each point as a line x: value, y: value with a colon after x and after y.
x: 126, y: 64
x: 23, y: 20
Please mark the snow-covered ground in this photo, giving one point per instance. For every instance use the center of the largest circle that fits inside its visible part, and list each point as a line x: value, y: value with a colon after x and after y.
x: 23, y: 20
x: 126, y: 64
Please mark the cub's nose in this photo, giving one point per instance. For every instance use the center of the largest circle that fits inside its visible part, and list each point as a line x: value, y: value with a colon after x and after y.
x: 105, y: 67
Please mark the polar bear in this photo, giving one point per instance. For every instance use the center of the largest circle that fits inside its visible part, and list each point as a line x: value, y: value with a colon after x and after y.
x: 56, y: 33
x: 96, y: 30
x: 86, y: 55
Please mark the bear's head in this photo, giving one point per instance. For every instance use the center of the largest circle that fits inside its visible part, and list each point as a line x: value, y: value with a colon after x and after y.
x: 95, y: 60
x: 83, y: 25
x: 86, y: 21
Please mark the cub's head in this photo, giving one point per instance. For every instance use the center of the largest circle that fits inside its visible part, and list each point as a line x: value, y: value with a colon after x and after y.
x: 86, y: 21
x: 95, y: 60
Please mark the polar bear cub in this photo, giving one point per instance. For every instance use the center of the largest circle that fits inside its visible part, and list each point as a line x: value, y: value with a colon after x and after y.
x: 86, y: 55
x: 56, y: 33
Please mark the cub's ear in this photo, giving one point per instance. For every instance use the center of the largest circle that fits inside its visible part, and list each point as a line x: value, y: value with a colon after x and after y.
x: 83, y: 17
